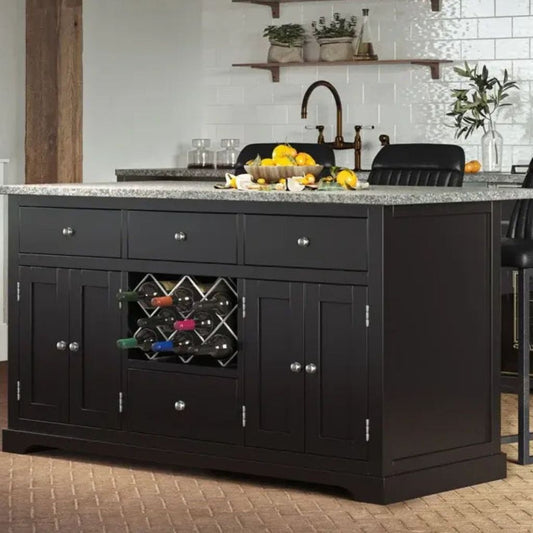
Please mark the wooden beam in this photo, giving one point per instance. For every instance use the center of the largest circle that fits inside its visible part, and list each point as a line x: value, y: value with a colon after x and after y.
x: 54, y: 91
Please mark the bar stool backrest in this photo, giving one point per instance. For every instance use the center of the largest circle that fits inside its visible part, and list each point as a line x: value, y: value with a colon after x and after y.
x: 521, y: 221
x: 433, y: 165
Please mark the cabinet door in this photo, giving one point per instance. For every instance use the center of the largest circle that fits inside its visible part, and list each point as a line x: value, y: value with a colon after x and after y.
x: 95, y: 364
x: 43, y: 363
x: 337, y: 391
x: 273, y: 340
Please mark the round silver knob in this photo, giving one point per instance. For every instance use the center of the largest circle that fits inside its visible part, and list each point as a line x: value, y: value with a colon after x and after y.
x: 67, y: 232
x: 179, y: 405
x: 73, y: 346
x: 180, y: 236
x: 304, y: 242
x: 61, y: 346
x: 310, y: 368
x: 296, y: 367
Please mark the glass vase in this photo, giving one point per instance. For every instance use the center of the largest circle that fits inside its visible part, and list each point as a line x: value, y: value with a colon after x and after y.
x: 491, y: 150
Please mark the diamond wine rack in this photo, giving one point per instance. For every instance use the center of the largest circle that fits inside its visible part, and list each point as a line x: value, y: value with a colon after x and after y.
x: 203, y: 288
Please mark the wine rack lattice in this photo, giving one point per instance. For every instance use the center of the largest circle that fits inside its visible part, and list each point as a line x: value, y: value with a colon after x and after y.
x: 226, y: 324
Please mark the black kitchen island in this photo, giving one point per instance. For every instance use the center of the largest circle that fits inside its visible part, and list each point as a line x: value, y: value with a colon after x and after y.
x: 367, y: 327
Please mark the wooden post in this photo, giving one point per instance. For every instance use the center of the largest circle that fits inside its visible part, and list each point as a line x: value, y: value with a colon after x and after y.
x: 54, y: 102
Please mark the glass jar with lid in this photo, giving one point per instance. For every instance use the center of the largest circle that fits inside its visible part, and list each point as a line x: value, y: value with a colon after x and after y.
x: 201, y: 156
x: 227, y: 157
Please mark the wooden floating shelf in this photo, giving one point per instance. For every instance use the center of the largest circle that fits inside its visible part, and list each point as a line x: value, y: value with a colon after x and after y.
x: 433, y: 64
x: 274, y: 4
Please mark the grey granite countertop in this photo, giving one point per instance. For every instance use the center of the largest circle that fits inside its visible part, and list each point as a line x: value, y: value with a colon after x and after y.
x: 489, y: 178
x: 190, y: 190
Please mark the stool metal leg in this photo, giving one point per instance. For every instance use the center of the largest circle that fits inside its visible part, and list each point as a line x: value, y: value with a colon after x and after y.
x: 523, y: 365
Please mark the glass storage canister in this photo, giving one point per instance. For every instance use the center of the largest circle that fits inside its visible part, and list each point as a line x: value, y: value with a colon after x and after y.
x: 201, y: 156
x: 227, y: 158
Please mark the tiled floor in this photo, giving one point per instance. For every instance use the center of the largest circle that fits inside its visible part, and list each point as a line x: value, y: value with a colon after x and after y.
x: 55, y: 491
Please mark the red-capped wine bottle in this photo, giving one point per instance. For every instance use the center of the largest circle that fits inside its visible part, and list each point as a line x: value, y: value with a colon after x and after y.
x: 202, y: 323
x: 143, y: 339
x: 219, y: 302
x: 180, y: 344
x: 143, y: 294
x: 181, y: 298
x: 165, y: 318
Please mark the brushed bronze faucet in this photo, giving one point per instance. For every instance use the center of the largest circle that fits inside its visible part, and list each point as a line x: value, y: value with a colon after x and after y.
x: 339, y: 143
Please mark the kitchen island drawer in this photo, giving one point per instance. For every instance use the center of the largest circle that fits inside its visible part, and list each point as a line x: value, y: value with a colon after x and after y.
x: 61, y: 231
x: 191, y: 237
x: 184, y: 405
x: 307, y: 242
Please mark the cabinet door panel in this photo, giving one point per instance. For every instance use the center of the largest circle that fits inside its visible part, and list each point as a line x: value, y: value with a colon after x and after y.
x: 95, y: 367
x: 273, y: 339
x: 43, y: 318
x: 336, y: 394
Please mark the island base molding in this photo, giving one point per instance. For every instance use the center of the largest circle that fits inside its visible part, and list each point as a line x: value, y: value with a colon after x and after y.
x: 365, y: 488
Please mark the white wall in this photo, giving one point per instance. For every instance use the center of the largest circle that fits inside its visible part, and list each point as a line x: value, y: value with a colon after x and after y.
x: 155, y: 77
x: 143, y: 96
x: 12, y: 61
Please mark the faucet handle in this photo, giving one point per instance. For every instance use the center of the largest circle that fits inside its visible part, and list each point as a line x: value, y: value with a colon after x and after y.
x: 320, y: 129
x: 384, y: 139
x: 360, y: 127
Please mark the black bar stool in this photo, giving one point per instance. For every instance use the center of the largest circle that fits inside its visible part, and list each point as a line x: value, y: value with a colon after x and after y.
x: 517, y: 253
x: 430, y: 165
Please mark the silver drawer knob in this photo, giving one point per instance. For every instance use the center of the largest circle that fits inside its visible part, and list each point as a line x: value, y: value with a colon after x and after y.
x: 304, y: 242
x: 310, y: 368
x: 180, y: 236
x: 73, y: 346
x: 179, y: 405
x: 61, y: 346
x: 67, y: 232
x: 296, y: 367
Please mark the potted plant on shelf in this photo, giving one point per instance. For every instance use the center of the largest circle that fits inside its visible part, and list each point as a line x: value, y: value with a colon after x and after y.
x: 336, y: 37
x: 476, y: 107
x: 286, y: 43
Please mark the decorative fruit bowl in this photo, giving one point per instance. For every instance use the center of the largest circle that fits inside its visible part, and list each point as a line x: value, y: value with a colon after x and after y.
x: 272, y: 174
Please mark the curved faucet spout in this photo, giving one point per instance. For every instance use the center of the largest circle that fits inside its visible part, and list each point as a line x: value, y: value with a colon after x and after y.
x: 338, y: 137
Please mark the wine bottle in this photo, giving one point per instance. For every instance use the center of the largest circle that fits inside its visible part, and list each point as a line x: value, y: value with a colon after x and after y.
x: 143, y: 340
x: 165, y: 318
x: 220, y: 302
x: 182, y: 298
x: 143, y: 294
x: 180, y: 344
x: 218, y: 346
x: 202, y: 323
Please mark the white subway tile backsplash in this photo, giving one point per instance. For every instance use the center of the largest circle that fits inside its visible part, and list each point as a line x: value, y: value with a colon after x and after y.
x: 495, y: 27
x: 512, y: 48
x: 523, y: 26
x: 400, y: 100
x: 512, y: 7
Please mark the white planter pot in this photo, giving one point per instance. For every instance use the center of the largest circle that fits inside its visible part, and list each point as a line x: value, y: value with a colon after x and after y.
x: 282, y: 53
x: 336, y: 49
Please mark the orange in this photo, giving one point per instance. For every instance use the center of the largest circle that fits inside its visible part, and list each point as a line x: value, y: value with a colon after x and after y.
x: 282, y: 150
x: 473, y: 166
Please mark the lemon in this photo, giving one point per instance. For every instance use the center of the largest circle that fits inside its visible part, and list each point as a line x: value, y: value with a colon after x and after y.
x: 261, y: 181
x: 347, y: 178
x: 282, y: 150
x: 267, y: 162
x: 284, y: 161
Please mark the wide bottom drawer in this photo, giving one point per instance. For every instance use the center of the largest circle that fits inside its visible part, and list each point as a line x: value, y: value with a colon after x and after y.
x: 184, y: 405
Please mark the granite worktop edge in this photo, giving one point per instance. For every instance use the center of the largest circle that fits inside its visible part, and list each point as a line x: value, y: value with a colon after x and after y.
x: 375, y: 195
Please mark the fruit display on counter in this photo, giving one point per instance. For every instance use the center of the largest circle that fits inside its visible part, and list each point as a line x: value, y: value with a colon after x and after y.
x: 472, y: 166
